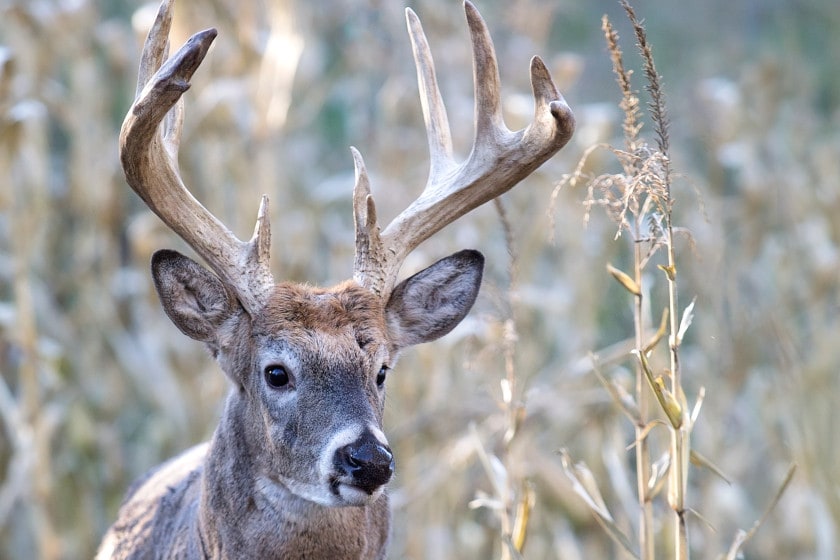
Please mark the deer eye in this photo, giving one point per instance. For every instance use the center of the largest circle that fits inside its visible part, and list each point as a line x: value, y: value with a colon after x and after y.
x: 276, y: 376
x: 380, y: 377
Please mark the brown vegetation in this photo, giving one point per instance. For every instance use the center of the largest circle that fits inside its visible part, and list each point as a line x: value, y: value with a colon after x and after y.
x: 96, y: 385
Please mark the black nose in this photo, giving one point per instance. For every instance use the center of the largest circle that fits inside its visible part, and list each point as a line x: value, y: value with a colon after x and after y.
x: 368, y: 461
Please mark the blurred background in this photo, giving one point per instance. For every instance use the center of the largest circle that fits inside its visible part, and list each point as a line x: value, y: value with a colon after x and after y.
x: 96, y: 385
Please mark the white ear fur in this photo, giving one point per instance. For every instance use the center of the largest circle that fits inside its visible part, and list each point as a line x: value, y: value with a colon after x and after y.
x: 432, y: 302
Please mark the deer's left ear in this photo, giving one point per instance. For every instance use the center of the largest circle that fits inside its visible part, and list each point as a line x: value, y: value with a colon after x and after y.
x: 432, y: 302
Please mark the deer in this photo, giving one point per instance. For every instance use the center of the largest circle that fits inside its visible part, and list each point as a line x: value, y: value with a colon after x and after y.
x: 298, y: 464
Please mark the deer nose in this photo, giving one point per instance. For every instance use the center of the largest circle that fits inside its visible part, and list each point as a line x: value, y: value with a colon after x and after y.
x: 368, y: 461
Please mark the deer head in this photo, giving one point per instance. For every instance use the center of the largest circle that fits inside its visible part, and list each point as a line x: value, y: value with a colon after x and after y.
x: 309, y: 365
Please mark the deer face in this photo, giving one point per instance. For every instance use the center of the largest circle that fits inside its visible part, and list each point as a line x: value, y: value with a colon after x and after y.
x: 315, y: 379
x: 311, y: 366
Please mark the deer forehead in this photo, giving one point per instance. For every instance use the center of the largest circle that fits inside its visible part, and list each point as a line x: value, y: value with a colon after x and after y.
x: 346, y: 313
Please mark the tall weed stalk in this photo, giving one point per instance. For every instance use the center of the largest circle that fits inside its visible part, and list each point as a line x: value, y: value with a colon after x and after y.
x: 640, y: 201
x: 513, y: 496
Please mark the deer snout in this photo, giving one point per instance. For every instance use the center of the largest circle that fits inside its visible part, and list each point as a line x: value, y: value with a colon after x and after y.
x: 368, y: 462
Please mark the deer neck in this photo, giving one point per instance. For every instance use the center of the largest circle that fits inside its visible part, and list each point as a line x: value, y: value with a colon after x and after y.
x: 272, y: 522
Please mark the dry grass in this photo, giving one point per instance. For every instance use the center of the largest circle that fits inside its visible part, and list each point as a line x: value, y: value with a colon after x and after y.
x: 96, y: 385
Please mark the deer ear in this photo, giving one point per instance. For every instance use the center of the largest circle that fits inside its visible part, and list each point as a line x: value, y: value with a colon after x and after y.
x: 193, y: 298
x: 432, y: 302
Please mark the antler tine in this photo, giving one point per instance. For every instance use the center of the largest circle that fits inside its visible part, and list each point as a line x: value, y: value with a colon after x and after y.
x: 149, y: 152
x: 156, y: 47
x: 487, y: 87
x: 369, y: 259
x: 434, y: 110
x: 499, y: 158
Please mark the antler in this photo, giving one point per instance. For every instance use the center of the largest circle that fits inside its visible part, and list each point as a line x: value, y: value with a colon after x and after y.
x: 499, y: 158
x: 149, y: 140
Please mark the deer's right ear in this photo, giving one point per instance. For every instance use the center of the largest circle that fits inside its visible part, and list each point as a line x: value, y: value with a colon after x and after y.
x: 193, y: 298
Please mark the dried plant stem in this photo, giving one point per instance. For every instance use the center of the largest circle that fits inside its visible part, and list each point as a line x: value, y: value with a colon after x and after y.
x: 680, y: 436
x: 35, y: 446
x: 680, y: 443
x: 646, y: 543
x: 517, y: 497
x: 742, y: 536
x: 34, y: 443
x: 631, y: 127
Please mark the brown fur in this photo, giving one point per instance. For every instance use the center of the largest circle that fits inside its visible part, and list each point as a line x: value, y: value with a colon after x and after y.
x: 271, y: 484
x: 341, y: 309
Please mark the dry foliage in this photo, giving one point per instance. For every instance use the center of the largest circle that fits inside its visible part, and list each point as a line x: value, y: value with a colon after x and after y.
x: 96, y: 385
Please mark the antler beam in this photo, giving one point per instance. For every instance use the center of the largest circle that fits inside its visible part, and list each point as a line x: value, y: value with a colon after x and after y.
x: 498, y: 161
x: 149, y: 141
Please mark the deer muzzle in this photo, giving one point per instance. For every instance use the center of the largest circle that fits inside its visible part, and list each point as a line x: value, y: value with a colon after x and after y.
x: 366, y: 464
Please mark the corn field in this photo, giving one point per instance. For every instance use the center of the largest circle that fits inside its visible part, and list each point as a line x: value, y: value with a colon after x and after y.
x: 510, y: 434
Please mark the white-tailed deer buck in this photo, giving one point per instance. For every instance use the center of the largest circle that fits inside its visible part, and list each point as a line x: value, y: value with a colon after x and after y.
x: 298, y: 464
